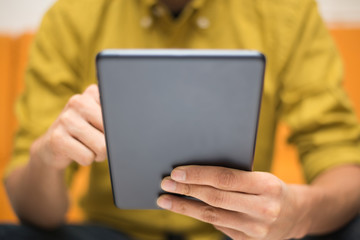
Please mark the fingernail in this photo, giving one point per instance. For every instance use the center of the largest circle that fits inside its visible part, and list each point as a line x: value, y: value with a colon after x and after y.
x: 168, y: 185
x: 178, y: 175
x: 164, y: 202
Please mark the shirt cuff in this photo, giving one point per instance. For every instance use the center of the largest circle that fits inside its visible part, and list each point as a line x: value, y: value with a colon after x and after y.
x: 324, y: 158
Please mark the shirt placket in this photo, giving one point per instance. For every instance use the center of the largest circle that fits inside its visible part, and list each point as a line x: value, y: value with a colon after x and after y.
x: 158, y: 18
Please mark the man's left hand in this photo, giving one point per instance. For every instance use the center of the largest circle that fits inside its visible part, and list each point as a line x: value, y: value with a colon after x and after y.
x: 243, y: 205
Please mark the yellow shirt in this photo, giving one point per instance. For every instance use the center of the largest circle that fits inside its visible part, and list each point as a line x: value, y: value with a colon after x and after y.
x: 302, y: 85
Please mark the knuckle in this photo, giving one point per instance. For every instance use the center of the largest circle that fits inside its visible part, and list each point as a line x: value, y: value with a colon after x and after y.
x: 56, y: 137
x: 99, y: 149
x: 261, y: 231
x: 187, y: 190
x: 86, y: 159
x: 225, y: 178
x: 55, y: 145
x: 182, y: 207
x: 65, y: 118
x: 92, y: 88
x: 103, y: 148
x: 218, y: 199
x: 271, y: 213
x: 210, y: 215
x: 75, y: 101
x: 92, y: 91
x: 274, y: 187
x: 102, y: 153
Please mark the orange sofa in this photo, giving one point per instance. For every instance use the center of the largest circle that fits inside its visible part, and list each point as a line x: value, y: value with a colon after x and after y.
x: 13, y: 58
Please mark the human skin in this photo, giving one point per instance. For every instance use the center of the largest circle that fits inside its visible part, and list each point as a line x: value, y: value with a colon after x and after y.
x: 259, y: 205
x: 38, y: 190
x: 243, y: 205
x: 77, y: 135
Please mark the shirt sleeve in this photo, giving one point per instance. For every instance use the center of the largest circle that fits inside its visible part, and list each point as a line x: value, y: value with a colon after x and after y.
x: 313, y: 102
x: 53, y: 75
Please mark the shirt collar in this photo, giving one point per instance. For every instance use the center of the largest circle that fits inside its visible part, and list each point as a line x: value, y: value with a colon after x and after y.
x: 150, y: 3
x: 196, y: 4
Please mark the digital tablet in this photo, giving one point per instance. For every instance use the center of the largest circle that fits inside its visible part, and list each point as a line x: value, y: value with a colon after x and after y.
x: 166, y: 108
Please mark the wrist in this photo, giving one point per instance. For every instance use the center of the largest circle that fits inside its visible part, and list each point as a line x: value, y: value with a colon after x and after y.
x: 306, y: 200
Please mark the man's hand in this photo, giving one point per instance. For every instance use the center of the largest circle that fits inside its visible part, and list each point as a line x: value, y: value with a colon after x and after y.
x: 37, y: 190
x: 77, y: 134
x: 243, y: 205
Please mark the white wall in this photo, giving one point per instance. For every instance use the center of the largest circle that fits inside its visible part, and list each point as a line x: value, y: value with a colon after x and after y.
x: 17, y: 16
x: 340, y: 11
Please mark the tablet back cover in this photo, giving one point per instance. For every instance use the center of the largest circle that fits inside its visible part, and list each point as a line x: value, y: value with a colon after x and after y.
x: 165, y: 108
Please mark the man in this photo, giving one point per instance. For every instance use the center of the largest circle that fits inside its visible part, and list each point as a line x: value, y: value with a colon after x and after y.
x: 60, y: 118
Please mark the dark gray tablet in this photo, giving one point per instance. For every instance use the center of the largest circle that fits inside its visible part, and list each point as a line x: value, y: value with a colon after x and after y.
x: 165, y: 108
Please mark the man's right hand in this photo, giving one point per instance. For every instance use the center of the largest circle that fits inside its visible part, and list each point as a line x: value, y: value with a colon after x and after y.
x: 76, y: 135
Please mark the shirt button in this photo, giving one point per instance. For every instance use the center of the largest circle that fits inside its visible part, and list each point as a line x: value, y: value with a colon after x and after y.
x: 203, y: 23
x: 158, y: 11
x: 146, y: 22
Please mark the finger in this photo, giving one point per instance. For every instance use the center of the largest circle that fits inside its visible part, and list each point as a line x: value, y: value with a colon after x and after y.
x: 233, y: 234
x: 66, y: 149
x: 87, y: 107
x: 224, y: 178
x: 91, y: 137
x: 79, y: 153
x: 92, y: 113
x: 252, y: 205
x: 93, y: 91
x: 212, y: 215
